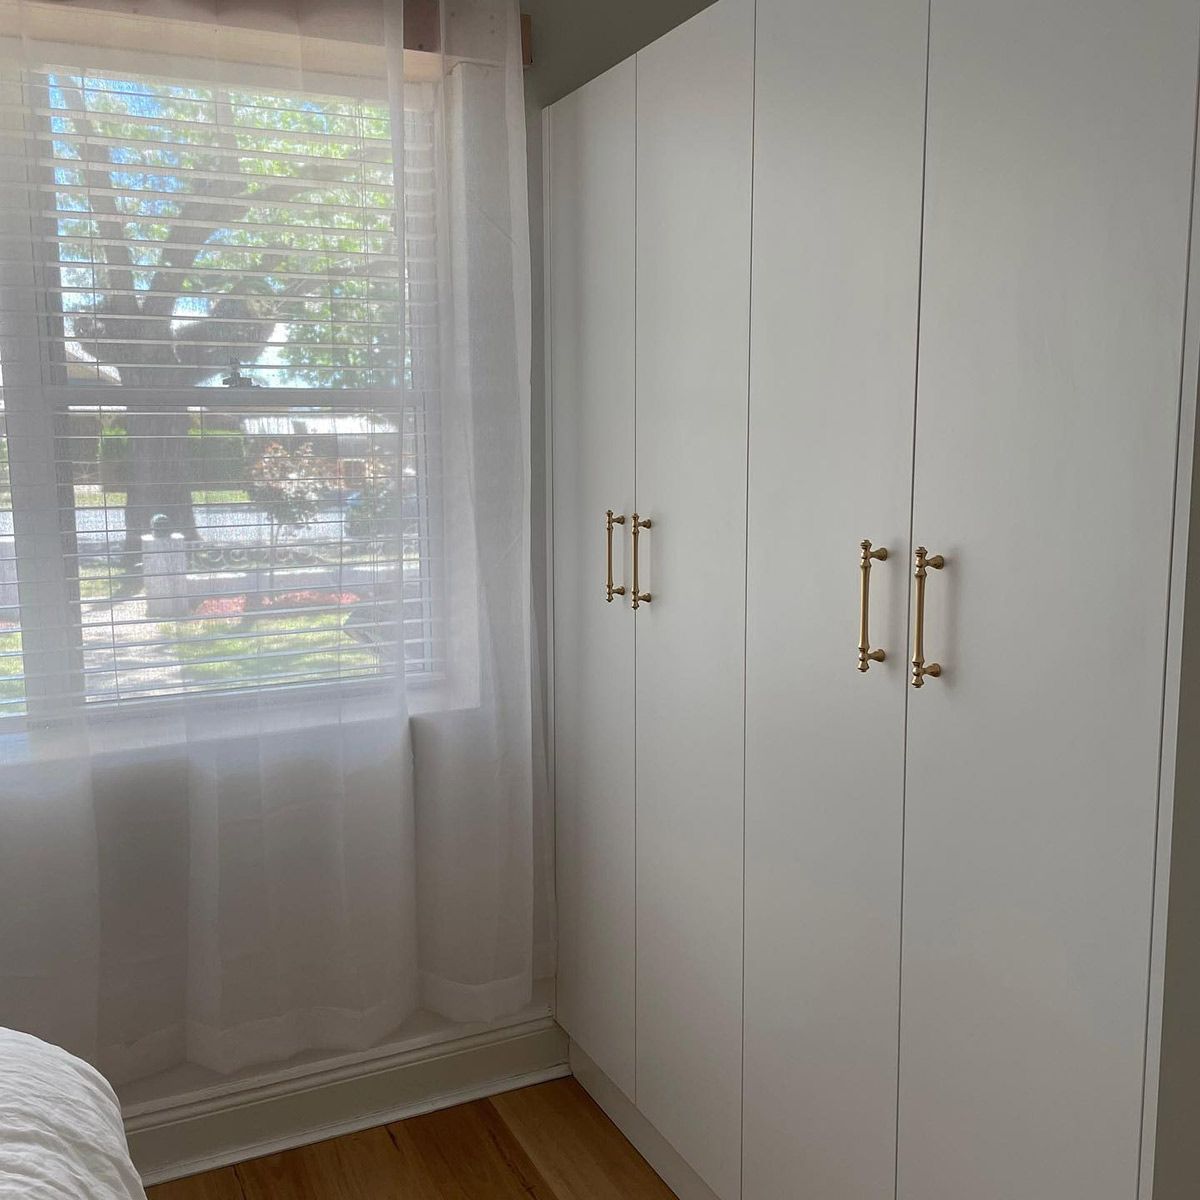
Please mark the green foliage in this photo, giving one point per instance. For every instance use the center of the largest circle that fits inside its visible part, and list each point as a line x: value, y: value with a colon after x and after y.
x: 106, y: 582
x: 376, y: 514
x: 299, y: 647
x: 113, y: 451
x: 257, y: 212
x: 12, y: 686
x: 216, y: 456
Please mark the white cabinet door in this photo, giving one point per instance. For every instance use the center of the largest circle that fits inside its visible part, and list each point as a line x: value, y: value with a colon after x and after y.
x: 693, y: 307
x: 590, y: 246
x: 839, y: 127
x: 1056, y: 230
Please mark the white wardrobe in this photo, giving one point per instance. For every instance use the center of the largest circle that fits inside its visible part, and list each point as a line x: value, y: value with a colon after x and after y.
x: 649, y: 260
x: 871, y: 366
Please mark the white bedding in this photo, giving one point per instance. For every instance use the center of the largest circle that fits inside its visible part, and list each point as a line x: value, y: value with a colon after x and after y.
x: 60, y: 1127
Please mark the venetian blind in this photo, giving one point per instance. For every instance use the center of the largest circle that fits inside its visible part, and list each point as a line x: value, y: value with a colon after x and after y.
x: 240, y: 354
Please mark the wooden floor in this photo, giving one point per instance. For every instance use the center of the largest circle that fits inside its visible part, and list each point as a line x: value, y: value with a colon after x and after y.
x: 549, y: 1142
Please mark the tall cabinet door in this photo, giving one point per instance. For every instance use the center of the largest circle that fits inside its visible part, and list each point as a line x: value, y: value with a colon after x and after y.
x: 695, y: 100
x: 591, y: 285
x: 839, y: 128
x: 1056, y: 230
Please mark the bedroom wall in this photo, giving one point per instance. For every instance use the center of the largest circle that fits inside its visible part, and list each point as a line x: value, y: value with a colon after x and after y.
x: 575, y: 40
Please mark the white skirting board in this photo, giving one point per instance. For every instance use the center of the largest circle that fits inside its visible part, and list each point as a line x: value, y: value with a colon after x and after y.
x: 651, y: 1144
x: 221, y: 1129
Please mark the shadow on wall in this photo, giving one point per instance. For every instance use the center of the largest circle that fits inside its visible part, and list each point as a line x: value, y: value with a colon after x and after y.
x: 576, y: 40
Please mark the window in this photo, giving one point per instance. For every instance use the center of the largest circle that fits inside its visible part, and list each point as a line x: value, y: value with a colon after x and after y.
x: 235, y: 404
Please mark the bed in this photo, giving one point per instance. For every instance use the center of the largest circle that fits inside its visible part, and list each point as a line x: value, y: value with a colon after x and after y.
x: 60, y: 1127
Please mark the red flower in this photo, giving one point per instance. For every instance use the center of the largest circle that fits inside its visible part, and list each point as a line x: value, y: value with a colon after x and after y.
x: 222, y: 606
x: 308, y: 598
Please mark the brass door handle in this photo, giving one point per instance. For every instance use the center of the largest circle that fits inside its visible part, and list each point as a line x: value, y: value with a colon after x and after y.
x: 610, y: 521
x: 639, y: 597
x: 866, y: 656
x: 920, y: 668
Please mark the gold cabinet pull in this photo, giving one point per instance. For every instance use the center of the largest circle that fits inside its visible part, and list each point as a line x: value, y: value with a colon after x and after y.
x: 866, y: 656
x: 610, y: 521
x: 639, y: 597
x: 920, y: 668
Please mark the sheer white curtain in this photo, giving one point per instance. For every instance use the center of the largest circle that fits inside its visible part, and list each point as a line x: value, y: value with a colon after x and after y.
x: 265, y: 737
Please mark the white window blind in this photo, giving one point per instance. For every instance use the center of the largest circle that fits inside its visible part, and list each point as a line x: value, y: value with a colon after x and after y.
x: 201, y: 228
x: 241, y: 361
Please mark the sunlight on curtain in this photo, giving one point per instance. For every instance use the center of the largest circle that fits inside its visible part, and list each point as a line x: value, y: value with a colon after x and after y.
x: 265, y: 738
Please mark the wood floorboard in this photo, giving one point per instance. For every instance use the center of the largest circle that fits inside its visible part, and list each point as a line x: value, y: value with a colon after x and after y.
x: 422, y: 1185
x: 213, y: 1185
x: 366, y: 1166
x: 579, y: 1151
x: 548, y: 1142
x: 472, y: 1155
